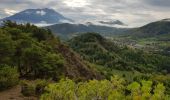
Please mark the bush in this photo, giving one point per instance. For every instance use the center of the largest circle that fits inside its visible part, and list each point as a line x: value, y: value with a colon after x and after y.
x: 8, y: 77
x: 33, y: 88
x: 27, y: 88
x: 114, y: 89
x: 40, y: 85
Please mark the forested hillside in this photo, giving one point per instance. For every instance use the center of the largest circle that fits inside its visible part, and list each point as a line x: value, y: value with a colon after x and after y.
x: 153, y: 37
x: 96, y: 49
x: 29, y: 52
x: 153, y: 29
x: 112, y: 58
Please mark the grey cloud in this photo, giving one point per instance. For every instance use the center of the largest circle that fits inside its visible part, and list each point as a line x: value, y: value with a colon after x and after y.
x: 130, y: 11
x: 161, y: 3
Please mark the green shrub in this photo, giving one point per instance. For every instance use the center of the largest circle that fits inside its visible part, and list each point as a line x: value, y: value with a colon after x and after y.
x: 8, y: 77
x: 27, y: 88
x: 40, y: 85
x: 114, y: 89
x: 33, y: 88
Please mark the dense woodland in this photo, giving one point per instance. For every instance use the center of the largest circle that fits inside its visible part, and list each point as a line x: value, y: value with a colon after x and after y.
x: 96, y: 49
x: 87, y: 67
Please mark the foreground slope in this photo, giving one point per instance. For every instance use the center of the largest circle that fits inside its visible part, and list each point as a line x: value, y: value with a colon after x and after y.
x: 36, y: 53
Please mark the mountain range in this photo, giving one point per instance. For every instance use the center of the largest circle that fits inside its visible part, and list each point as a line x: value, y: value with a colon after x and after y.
x: 152, y: 29
x: 66, y: 27
x: 68, y: 30
x: 49, y: 16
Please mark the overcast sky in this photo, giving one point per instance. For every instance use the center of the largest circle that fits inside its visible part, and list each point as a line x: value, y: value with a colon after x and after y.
x: 131, y: 12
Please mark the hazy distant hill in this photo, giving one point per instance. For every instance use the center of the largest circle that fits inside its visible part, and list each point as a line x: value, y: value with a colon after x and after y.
x: 153, y: 29
x: 68, y: 30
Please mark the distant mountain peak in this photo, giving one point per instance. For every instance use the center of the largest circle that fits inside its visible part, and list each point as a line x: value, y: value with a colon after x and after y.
x: 36, y: 16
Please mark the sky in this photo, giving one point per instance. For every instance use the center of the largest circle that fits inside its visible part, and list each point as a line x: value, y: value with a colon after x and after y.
x: 134, y: 13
